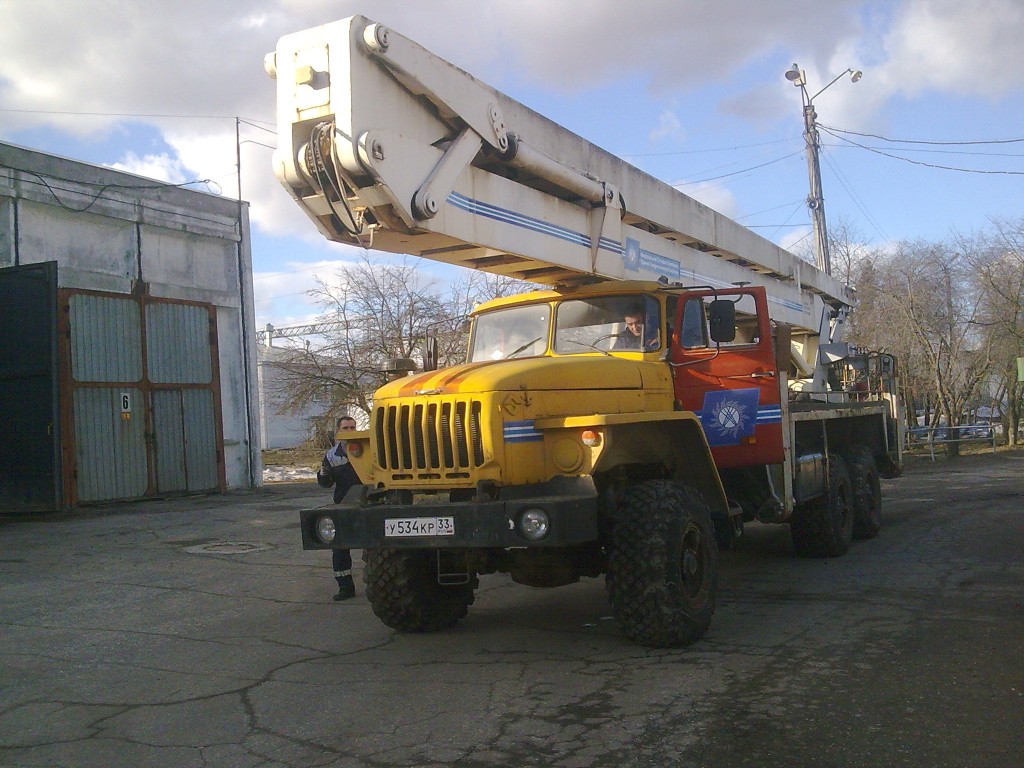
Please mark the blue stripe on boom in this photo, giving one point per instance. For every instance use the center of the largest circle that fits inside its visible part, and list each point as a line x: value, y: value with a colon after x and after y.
x: 653, y: 261
x: 523, y: 221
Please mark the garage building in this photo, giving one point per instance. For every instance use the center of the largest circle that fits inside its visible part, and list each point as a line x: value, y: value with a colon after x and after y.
x: 127, y: 355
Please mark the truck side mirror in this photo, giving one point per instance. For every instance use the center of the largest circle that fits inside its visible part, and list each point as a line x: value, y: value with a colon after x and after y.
x: 722, y: 320
x: 430, y: 353
x: 783, y: 346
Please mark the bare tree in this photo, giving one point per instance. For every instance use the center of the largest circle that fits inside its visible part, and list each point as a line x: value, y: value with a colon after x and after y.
x: 847, y: 249
x: 381, y: 312
x: 998, y: 260
x: 877, y: 324
x: 930, y: 291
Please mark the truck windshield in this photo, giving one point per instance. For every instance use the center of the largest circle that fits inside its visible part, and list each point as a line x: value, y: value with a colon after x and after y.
x: 608, y: 323
x: 512, y: 332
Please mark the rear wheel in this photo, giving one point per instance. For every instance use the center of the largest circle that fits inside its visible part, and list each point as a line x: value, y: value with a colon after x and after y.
x: 867, y: 491
x: 662, y: 567
x: 824, y: 528
x: 403, y: 590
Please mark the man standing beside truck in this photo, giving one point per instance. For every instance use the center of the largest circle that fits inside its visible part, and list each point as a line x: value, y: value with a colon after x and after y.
x: 336, y: 470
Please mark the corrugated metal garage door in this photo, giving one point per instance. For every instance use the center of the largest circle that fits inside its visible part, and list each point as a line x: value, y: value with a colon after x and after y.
x: 110, y: 450
x: 145, y: 396
x: 106, y: 338
x: 183, y: 425
x: 179, y: 351
x: 178, y: 343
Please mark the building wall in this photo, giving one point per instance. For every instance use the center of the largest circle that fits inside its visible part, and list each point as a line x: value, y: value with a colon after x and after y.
x: 115, y: 232
x: 280, y: 426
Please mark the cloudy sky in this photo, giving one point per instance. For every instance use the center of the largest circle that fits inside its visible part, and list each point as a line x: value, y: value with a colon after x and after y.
x: 691, y: 91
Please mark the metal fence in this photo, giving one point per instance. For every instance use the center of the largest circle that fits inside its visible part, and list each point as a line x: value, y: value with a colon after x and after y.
x: 941, y: 435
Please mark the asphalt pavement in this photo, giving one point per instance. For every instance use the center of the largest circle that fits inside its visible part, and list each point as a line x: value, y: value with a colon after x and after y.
x: 196, y: 632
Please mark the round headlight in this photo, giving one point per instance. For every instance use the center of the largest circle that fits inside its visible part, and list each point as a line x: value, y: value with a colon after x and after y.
x: 534, y: 524
x: 325, y: 529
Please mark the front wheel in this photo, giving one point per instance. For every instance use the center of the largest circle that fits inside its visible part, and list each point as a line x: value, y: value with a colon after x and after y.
x: 662, y: 564
x: 403, y: 589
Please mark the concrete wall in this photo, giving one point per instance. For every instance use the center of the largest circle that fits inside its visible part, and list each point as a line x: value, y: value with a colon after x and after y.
x: 112, y: 231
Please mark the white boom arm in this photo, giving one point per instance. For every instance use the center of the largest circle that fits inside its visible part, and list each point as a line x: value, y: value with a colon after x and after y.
x: 386, y: 145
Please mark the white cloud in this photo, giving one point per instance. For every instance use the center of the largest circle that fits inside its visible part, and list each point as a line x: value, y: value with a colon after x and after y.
x: 799, y: 240
x: 921, y: 47
x: 953, y: 46
x: 287, y: 294
x: 673, y: 44
x: 162, y: 166
x: 668, y: 127
x: 713, y: 195
x: 255, y: 21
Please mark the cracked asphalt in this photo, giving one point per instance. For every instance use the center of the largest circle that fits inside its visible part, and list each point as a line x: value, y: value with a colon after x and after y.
x: 196, y: 632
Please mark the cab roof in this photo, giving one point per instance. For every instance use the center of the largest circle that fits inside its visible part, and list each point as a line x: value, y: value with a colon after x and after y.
x: 605, y: 288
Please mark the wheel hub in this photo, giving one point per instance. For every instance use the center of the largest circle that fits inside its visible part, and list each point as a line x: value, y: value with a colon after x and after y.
x: 690, y: 564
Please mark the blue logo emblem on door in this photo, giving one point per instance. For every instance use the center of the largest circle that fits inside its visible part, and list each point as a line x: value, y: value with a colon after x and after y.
x: 729, y: 415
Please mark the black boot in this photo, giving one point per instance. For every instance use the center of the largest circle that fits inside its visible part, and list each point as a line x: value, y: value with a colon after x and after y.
x: 346, y: 588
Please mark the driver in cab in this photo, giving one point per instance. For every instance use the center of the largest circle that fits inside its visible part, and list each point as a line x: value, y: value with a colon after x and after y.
x: 637, y: 335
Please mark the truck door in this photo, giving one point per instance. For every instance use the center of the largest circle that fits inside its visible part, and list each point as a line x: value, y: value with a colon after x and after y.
x: 732, y: 385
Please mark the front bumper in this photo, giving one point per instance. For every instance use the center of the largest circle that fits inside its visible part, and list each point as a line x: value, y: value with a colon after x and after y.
x: 570, y: 503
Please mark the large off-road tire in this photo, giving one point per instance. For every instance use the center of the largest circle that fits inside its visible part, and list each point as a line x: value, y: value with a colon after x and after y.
x: 402, y: 587
x: 662, y: 564
x: 824, y: 528
x: 867, y: 491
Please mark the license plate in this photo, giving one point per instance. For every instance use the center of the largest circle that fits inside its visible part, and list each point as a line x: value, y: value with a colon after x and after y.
x: 419, y: 526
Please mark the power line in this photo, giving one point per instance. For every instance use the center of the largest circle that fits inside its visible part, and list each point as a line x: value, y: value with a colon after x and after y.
x: 736, y: 173
x: 947, y: 151
x: 136, y: 114
x: 856, y: 198
x: 796, y: 243
x: 283, y: 295
x: 294, y: 271
x: 786, y: 223
x: 102, y: 188
x: 766, y: 210
x: 702, y: 151
x: 920, y: 162
x: 830, y: 129
x: 260, y: 127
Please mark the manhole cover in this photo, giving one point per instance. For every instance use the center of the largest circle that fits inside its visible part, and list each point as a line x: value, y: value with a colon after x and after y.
x: 227, y: 548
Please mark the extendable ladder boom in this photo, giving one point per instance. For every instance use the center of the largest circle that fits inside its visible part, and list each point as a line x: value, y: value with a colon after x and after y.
x: 388, y: 146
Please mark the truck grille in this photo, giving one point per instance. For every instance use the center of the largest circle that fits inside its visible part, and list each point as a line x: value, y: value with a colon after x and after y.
x: 429, y: 437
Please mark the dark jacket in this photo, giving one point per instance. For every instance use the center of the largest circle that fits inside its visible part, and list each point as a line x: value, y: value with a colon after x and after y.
x: 335, y: 469
x: 629, y: 340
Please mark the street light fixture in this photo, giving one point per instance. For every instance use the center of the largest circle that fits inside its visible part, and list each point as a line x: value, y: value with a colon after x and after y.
x: 815, y: 201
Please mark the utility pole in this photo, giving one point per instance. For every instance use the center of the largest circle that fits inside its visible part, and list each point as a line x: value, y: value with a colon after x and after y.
x: 815, y: 200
